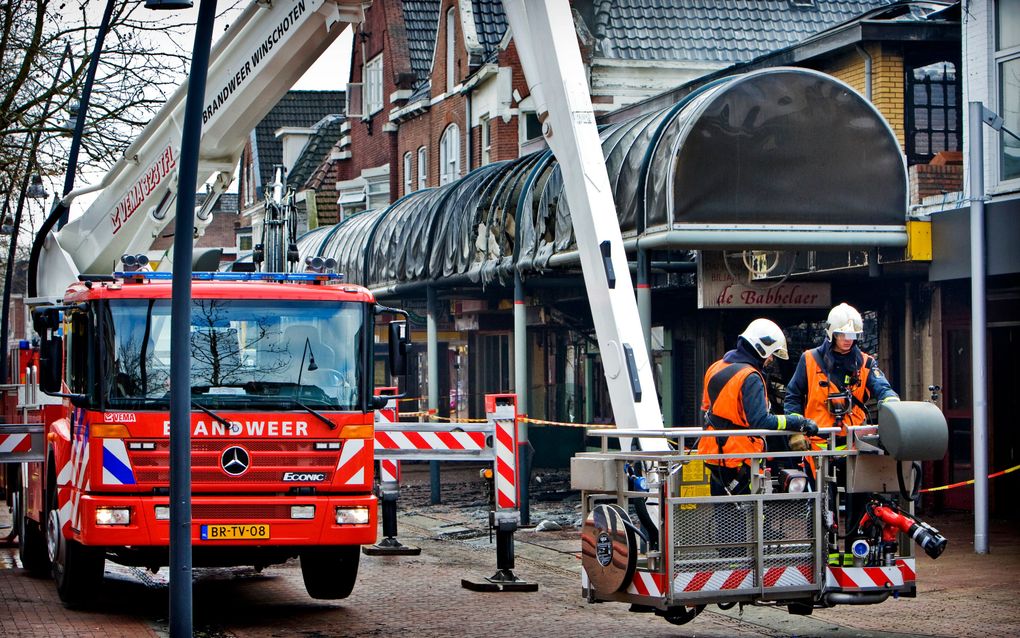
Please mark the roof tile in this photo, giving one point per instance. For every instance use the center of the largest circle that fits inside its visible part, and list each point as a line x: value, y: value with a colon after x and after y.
x: 295, y: 108
x: 421, y: 19
x: 717, y: 30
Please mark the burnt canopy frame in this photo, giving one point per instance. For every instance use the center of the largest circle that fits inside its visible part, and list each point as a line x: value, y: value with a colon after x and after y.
x: 779, y: 158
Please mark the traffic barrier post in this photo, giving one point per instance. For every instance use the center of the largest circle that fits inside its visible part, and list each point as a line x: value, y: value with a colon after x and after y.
x: 389, y: 489
x: 501, y: 412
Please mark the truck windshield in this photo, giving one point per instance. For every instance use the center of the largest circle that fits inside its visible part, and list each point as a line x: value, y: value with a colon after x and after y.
x: 245, y: 354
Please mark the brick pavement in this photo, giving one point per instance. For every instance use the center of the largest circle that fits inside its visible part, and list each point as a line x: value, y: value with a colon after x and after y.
x: 960, y: 594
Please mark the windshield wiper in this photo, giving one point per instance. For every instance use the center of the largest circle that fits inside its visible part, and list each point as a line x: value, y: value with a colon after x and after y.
x: 224, y: 422
x: 285, y: 400
x: 316, y: 413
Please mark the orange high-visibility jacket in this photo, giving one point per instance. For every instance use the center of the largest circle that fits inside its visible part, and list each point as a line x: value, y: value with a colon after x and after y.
x: 723, y: 399
x: 815, y: 406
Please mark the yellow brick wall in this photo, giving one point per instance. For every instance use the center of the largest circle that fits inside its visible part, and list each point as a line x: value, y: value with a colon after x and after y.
x: 886, y: 81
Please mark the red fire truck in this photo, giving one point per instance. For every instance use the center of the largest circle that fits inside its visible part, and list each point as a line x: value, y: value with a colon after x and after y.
x: 282, y: 427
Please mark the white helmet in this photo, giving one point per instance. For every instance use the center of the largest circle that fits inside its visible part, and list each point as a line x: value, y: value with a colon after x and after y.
x: 766, y: 338
x: 845, y: 320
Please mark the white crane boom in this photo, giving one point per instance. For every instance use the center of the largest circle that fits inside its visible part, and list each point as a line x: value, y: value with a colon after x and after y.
x: 265, y: 51
x: 547, y: 45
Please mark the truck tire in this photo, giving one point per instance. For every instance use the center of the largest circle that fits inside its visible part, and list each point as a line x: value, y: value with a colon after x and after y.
x: 77, y: 569
x: 330, y: 572
x: 31, y: 544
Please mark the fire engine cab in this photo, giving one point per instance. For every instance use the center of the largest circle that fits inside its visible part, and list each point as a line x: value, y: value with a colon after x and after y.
x: 282, y: 427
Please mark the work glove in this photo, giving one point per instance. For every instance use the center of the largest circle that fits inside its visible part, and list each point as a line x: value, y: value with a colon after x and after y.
x: 804, y: 425
x: 799, y: 443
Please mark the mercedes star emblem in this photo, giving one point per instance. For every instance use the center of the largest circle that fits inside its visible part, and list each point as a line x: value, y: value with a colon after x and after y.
x: 235, y: 461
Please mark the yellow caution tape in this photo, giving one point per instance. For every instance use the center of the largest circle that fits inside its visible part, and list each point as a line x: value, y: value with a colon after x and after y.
x: 970, y: 482
x: 566, y: 425
x: 436, y: 417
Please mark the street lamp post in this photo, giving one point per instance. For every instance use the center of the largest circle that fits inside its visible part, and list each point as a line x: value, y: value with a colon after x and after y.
x: 180, y: 322
x: 978, y: 114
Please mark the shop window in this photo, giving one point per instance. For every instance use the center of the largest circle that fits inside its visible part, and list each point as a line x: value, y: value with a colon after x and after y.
x: 495, y: 363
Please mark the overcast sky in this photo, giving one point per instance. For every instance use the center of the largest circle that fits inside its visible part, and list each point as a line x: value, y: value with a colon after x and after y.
x: 329, y: 73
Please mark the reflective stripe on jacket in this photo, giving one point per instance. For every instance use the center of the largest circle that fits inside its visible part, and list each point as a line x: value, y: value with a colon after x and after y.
x: 723, y: 403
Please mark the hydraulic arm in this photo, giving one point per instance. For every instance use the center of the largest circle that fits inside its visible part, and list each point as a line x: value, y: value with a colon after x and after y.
x: 267, y: 48
x: 547, y: 46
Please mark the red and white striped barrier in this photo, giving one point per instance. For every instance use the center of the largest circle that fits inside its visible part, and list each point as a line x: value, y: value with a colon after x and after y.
x: 409, y: 438
x: 865, y: 578
x: 389, y: 469
x: 15, y: 443
x: 21, y: 443
x: 495, y: 440
x: 501, y: 410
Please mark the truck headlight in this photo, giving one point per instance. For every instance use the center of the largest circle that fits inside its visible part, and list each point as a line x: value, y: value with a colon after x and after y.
x: 162, y: 512
x: 302, y: 511
x: 351, y: 515
x: 113, y: 516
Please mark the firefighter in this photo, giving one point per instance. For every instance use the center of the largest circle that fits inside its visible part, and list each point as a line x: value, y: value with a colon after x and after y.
x: 734, y: 397
x: 831, y: 385
x: 833, y: 382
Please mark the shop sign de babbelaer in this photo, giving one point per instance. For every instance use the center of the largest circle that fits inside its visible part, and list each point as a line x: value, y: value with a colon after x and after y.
x: 717, y: 288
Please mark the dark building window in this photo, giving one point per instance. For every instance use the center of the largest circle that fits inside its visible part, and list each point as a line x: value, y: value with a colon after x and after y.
x: 934, y: 118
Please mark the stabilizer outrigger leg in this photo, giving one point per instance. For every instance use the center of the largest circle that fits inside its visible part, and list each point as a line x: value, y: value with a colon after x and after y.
x: 504, y: 579
x: 389, y: 545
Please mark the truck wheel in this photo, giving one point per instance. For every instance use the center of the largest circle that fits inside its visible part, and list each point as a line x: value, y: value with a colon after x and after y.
x: 330, y: 572
x: 31, y: 544
x: 77, y: 569
x: 680, y: 615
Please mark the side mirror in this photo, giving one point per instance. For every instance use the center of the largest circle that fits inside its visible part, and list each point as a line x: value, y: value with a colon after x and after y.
x: 51, y: 355
x: 46, y: 321
x: 399, y: 344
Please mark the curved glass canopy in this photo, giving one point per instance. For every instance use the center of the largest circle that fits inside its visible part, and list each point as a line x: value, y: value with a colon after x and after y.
x: 775, y: 150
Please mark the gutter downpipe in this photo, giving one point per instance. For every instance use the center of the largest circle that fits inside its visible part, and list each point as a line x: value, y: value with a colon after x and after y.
x: 467, y: 132
x: 861, y: 51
